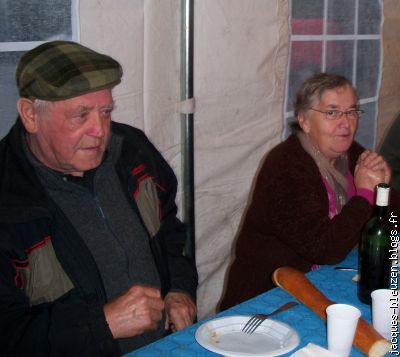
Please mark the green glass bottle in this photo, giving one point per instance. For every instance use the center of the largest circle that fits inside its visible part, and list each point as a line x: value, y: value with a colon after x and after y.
x: 374, y: 260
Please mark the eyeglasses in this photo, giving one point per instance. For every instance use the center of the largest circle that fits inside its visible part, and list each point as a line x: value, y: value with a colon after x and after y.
x: 334, y: 114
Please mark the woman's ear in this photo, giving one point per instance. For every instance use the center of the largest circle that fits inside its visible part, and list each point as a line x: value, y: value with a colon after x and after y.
x: 304, y: 122
x: 27, y: 114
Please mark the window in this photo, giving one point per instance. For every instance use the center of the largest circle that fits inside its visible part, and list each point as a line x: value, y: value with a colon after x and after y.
x: 25, y: 24
x: 341, y: 36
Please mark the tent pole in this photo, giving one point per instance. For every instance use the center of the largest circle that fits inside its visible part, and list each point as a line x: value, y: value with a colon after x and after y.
x: 187, y: 126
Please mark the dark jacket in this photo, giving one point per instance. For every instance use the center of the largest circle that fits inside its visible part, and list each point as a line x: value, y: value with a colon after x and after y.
x: 287, y: 222
x: 51, y: 292
x: 390, y: 150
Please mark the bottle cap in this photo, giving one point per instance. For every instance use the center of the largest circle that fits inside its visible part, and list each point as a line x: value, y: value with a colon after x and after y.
x: 382, y: 194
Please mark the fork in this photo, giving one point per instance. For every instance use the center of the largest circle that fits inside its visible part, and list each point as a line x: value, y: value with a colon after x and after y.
x: 257, y: 319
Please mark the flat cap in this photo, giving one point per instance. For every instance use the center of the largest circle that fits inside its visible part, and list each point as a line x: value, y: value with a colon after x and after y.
x: 60, y: 70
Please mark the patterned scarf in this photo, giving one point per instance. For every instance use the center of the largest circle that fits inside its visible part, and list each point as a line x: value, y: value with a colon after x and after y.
x: 335, y: 175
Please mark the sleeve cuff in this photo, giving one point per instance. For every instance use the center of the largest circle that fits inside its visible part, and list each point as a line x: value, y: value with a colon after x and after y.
x: 367, y: 194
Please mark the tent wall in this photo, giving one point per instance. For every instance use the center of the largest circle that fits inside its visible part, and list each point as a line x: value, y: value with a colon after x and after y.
x: 240, y: 61
x: 144, y: 36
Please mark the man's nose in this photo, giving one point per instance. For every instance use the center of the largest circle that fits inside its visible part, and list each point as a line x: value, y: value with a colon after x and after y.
x: 97, y: 125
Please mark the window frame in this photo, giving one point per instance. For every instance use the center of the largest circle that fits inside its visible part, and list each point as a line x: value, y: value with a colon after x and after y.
x: 23, y: 46
x: 324, y: 38
x: 28, y: 45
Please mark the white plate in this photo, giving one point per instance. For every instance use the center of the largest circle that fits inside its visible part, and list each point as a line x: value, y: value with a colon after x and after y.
x: 224, y: 335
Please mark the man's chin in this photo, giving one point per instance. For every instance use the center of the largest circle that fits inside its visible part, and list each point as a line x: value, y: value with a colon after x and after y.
x: 92, y: 164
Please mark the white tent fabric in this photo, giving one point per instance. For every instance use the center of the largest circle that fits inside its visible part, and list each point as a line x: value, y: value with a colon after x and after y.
x: 241, y: 51
x: 144, y: 37
x: 240, y: 61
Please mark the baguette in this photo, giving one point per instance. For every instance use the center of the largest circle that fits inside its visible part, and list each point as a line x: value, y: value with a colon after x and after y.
x: 294, y: 281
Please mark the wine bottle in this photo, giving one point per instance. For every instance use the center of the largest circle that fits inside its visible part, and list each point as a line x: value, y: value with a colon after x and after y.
x: 374, y: 260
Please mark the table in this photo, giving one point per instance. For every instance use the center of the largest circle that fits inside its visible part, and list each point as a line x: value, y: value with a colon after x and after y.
x: 336, y: 285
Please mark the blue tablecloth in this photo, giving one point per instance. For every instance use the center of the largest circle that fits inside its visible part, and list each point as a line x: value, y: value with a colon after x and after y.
x: 334, y: 284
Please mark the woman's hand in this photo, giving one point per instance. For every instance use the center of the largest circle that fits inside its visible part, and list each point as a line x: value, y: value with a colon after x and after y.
x: 371, y: 169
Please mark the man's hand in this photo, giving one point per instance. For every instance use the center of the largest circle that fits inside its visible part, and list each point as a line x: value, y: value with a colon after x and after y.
x: 136, y: 311
x: 181, y: 311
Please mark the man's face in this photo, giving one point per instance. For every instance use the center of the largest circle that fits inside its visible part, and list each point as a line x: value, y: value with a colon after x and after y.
x: 72, y: 136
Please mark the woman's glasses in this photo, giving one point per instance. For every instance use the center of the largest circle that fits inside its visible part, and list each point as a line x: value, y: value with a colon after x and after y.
x: 334, y: 114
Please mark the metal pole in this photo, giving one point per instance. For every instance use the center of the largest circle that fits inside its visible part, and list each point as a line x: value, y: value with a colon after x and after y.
x: 187, y: 127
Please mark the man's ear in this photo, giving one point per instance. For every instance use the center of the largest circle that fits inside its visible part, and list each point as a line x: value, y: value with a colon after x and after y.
x: 303, y: 122
x: 27, y: 114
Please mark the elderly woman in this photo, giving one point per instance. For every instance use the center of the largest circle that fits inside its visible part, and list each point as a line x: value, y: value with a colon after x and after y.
x: 313, y: 194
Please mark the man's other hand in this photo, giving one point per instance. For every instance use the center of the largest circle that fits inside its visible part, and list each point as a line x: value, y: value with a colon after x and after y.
x: 134, y: 312
x: 181, y: 311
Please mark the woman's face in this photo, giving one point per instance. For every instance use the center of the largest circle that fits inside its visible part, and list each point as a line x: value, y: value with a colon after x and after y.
x: 332, y: 137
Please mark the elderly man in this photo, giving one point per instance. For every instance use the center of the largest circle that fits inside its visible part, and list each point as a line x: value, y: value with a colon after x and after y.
x: 91, y: 250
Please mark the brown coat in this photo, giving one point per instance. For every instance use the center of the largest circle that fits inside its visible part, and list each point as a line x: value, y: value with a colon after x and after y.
x: 287, y: 222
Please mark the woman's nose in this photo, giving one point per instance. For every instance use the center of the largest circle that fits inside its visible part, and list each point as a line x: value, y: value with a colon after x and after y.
x: 345, y: 120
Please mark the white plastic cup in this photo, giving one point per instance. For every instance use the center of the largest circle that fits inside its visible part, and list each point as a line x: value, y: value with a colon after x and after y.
x: 342, y: 322
x: 385, y: 308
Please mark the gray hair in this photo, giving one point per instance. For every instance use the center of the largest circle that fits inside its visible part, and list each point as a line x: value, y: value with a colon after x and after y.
x: 41, y: 106
x: 314, y: 87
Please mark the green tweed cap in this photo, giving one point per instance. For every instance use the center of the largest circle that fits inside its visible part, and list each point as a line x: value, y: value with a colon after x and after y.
x: 60, y: 70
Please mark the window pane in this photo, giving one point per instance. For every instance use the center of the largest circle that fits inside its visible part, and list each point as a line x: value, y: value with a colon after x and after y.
x: 305, y: 60
x: 366, y: 126
x: 8, y: 90
x: 339, y: 52
x: 339, y: 57
x: 369, y: 17
x: 341, y: 17
x: 368, y: 62
x: 307, y: 17
x: 34, y: 20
